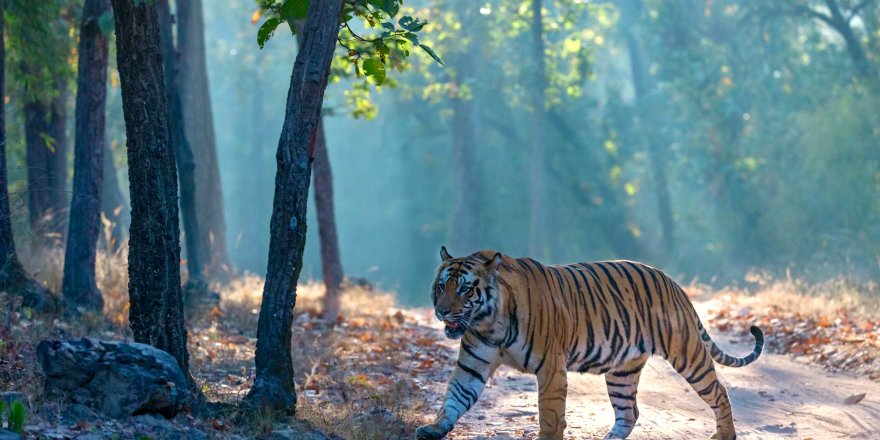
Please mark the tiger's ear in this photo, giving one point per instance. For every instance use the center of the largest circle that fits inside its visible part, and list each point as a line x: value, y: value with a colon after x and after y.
x: 444, y: 255
x: 493, y: 264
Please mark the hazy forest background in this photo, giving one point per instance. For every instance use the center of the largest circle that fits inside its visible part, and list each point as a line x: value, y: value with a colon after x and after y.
x: 733, y: 143
x: 708, y: 138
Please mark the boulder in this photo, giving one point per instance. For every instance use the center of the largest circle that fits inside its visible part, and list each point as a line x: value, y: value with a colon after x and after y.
x: 117, y: 379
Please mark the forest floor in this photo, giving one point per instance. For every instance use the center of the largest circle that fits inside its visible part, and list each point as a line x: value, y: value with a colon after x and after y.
x: 382, y: 371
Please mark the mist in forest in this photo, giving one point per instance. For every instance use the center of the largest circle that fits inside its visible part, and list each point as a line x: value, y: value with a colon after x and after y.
x: 710, y: 139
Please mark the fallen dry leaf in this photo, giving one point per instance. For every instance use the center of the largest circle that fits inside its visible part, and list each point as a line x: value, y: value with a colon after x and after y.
x: 854, y: 399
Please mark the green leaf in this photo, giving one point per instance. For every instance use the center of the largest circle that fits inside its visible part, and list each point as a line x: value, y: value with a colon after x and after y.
x: 266, y: 30
x: 375, y: 68
x: 411, y: 24
x: 431, y: 53
x: 390, y: 7
x: 293, y: 10
x: 413, y: 38
x: 106, y: 23
x: 388, y: 25
x: 16, y: 417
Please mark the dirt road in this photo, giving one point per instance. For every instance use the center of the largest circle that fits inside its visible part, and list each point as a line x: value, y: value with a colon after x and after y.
x: 774, y: 398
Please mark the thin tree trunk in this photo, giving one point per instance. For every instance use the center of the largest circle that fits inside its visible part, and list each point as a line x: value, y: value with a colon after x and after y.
x: 646, y: 103
x: 156, y: 314
x: 182, y: 153
x: 58, y: 190
x: 273, y: 385
x: 113, y: 203
x: 537, y: 217
x: 46, y: 159
x: 199, y: 124
x: 466, y: 230
x: 331, y: 263
x: 37, y: 163
x: 79, y: 286
x: 13, y: 278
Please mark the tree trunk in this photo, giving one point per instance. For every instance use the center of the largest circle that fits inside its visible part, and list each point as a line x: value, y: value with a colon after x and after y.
x: 46, y: 166
x: 58, y: 157
x: 273, y: 385
x: 113, y: 203
x: 646, y: 104
x: 13, y: 278
x: 537, y: 217
x: 331, y: 263
x: 182, y: 153
x: 79, y: 286
x: 156, y: 314
x: 199, y: 124
x: 466, y: 230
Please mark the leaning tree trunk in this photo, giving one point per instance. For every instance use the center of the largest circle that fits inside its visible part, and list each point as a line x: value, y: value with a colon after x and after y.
x: 331, y: 263
x: 182, y: 152
x: 273, y: 385
x: 79, y: 286
x: 537, y: 214
x: 13, y: 278
x: 199, y: 124
x: 156, y: 301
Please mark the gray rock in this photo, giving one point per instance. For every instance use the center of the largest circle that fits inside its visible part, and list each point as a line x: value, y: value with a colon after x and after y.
x: 9, y: 435
x: 295, y: 434
x: 77, y: 412
x: 117, y: 379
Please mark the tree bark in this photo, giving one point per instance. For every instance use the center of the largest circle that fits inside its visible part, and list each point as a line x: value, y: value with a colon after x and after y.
x: 156, y: 314
x: 79, y: 286
x: 113, y: 203
x: 273, y: 385
x: 199, y: 124
x: 466, y: 230
x: 331, y: 263
x: 646, y: 104
x: 182, y: 153
x: 13, y: 277
x: 537, y: 217
x: 46, y: 163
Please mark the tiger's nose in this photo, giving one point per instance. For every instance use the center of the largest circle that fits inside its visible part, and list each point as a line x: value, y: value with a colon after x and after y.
x: 442, y: 313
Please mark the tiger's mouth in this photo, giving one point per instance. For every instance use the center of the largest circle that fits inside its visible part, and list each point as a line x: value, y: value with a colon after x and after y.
x: 453, y: 329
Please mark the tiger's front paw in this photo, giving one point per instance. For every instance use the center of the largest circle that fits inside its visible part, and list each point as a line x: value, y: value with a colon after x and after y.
x: 430, y: 432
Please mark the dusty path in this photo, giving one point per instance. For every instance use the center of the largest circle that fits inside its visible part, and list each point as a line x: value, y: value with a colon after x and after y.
x: 774, y: 398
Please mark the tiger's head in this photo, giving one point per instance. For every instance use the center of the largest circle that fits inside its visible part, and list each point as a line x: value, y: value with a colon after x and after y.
x: 464, y: 292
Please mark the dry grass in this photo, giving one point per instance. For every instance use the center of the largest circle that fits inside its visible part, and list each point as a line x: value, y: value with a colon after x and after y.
x: 366, y: 377
x: 355, y: 377
x: 837, y: 294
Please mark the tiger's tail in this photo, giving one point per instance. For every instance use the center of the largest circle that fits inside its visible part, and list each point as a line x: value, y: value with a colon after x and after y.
x: 727, y: 360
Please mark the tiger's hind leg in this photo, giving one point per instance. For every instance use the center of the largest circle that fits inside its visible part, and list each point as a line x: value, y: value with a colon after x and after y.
x: 623, y: 385
x: 699, y: 371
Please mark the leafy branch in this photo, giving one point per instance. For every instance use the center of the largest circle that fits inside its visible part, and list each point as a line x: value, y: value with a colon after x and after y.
x: 369, y: 55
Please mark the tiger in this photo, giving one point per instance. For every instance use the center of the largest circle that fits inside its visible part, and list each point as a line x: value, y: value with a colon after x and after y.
x: 604, y: 317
